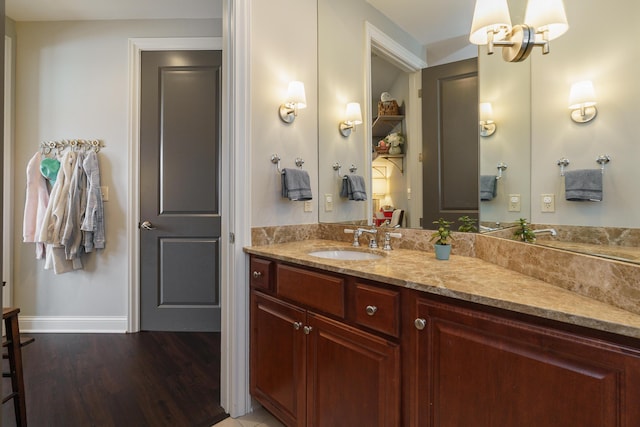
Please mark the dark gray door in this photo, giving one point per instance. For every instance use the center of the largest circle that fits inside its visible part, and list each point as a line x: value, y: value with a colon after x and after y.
x: 180, y: 190
x: 450, y: 147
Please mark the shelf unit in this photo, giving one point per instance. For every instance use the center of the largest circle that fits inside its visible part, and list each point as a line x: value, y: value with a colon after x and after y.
x: 383, y: 126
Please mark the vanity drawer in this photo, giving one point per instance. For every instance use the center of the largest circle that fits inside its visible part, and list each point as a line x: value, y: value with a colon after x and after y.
x: 261, y: 273
x: 323, y: 292
x: 377, y: 308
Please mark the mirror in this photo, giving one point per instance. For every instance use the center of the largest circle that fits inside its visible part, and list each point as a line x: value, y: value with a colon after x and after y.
x: 536, y: 89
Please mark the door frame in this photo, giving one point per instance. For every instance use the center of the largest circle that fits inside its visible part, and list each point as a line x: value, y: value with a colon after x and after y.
x: 136, y: 46
x: 235, y: 195
x: 376, y: 41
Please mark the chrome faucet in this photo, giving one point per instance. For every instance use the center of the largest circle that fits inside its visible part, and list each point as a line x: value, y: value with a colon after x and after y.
x: 387, y: 240
x: 373, y: 244
x: 551, y: 231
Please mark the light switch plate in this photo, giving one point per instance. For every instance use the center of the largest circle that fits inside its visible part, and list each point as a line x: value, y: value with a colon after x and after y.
x: 514, y: 203
x: 547, y: 202
x: 308, y: 207
x: 328, y: 202
x: 105, y: 193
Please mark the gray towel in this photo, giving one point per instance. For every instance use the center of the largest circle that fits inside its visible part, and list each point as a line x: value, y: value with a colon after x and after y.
x: 583, y: 185
x: 353, y: 187
x: 488, y: 187
x: 296, y: 184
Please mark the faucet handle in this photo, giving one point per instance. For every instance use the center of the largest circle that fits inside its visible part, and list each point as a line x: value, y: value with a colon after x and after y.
x: 387, y: 240
x: 349, y: 231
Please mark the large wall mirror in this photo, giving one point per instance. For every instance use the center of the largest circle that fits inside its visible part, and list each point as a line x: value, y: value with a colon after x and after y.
x: 530, y: 108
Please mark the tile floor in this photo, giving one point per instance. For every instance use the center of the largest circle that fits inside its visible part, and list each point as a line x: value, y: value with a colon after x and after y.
x: 258, y: 418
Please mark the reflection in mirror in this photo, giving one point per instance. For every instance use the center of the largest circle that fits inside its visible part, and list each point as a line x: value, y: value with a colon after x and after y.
x: 537, y: 89
x: 342, y: 71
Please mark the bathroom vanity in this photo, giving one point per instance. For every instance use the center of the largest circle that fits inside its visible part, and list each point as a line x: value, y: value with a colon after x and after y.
x: 412, y: 341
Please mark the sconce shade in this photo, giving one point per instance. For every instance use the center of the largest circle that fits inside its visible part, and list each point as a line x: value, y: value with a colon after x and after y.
x: 547, y: 15
x: 296, y: 100
x: 582, y: 101
x: 489, y: 15
x: 296, y: 95
x: 486, y: 112
x: 545, y: 20
x: 354, y: 115
x: 582, y: 95
x: 487, y: 125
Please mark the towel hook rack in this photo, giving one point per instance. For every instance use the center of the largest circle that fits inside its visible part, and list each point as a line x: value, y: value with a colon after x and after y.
x: 563, y: 163
x: 501, y: 168
x: 602, y: 160
x: 275, y: 159
x: 337, y: 166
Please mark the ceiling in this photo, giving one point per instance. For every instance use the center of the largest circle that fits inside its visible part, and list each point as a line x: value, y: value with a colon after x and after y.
x: 70, y: 10
x: 429, y: 21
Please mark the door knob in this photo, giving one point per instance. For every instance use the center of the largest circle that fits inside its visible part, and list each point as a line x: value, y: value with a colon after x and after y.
x: 146, y: 225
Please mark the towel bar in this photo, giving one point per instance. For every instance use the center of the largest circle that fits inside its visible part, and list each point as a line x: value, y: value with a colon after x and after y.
x: 337, y: 166
x: 275, y: 159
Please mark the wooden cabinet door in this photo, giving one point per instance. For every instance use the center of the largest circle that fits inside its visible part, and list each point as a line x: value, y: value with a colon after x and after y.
x: 480, y: 370
x: 353, y: 377
x: 278, y: 358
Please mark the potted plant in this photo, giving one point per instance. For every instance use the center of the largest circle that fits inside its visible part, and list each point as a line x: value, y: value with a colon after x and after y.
x: 468, y: 224
x: 442, y: 236
x: 524, y: 232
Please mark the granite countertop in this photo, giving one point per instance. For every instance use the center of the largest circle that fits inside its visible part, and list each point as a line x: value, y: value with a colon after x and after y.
x: 463, y: 278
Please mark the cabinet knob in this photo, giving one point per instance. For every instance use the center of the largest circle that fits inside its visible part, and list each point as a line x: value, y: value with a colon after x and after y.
x: 307, y: 330
x: 371, y: 310
x: 420, y: 324
x: 297, y: 325
x: 257, y: 274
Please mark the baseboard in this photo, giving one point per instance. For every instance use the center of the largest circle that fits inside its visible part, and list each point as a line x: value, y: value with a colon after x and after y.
x: 73, y: 324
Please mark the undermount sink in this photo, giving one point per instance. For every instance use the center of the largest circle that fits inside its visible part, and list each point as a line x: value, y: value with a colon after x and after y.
x: 346, y: 255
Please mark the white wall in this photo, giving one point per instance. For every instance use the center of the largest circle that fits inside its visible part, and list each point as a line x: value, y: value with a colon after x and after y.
x: 283, y: 48
x: 601, y: 45
x: 72, y: 82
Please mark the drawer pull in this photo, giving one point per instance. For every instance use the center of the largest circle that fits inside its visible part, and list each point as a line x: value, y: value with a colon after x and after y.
x: 371, y: 310
x: 257, y: 274
x: 420, y: 324
x: 307, y: 330
x: 297, y: 325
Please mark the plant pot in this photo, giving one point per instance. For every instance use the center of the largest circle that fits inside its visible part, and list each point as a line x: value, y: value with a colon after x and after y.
x: 443, y: 251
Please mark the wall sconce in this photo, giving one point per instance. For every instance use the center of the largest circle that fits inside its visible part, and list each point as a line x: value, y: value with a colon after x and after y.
x: 487, y: 125
x: 296, y: 100
x: 582, y: 102
x: 353, y: 117
x: 545, y: 20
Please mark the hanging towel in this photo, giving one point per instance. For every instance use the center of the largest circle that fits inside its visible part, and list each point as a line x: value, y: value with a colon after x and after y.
x: 583, y: 185
x: 296, y: 184
x: 488, y: 187
x: 353, y: 188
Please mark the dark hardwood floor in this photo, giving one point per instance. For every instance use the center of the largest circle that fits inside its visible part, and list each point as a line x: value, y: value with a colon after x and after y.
x: 124, y: 380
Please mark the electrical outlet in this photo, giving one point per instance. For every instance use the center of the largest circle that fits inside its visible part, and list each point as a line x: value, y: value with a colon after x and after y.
x: 328, y: 202
x: 514, y: 203
x: 308, y: 207
x: 548, y: 203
